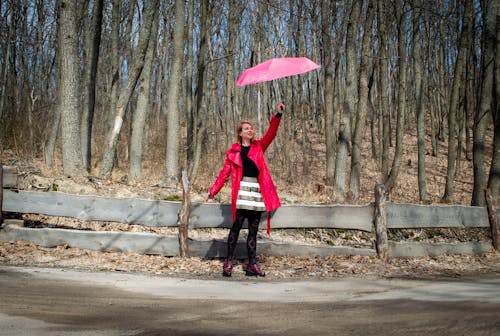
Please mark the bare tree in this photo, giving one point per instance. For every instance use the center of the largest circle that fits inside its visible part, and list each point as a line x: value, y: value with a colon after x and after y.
x: 199, y: 110
x: 362, y: 106
x: 383, y: 74
x: 455, y: 101
x: 483, y: 111
x: 419, y: 97
x: 150, y: 9
x: 93, y: 43
x: 69, y: 89
x: 347, y: 111
x: 400, y: 14
x: 494, y: 176
x: 327, y: 13
x: 141, y: 111
x: 173, y: 114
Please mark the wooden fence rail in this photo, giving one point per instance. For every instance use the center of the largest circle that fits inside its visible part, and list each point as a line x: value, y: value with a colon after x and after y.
x: 157, y: 213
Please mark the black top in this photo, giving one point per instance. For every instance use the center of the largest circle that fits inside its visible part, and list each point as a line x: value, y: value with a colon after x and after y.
x: 249, y: 167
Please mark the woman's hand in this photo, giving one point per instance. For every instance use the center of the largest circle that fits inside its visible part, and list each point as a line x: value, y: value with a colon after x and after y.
x: 210, y: 198
x: 280, y: 108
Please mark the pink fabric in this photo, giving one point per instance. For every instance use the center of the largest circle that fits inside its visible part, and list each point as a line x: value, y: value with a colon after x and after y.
x: 276, y: 68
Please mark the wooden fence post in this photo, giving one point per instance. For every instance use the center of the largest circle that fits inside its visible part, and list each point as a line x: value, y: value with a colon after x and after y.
x: 380, y: 219
x: 183, y: 216
x: 1, y: 193
x: 493, y: 217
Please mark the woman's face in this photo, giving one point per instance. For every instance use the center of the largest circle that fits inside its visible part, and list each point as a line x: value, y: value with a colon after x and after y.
x: 247, y: 133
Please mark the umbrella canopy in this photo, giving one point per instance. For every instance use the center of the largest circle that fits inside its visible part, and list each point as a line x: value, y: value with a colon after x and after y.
x: 276, y: 68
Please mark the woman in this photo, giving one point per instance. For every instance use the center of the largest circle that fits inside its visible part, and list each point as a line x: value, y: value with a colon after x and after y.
x: 253, y: 190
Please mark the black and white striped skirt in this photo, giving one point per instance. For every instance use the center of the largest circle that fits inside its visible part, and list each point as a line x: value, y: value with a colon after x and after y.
x: 249, y: 196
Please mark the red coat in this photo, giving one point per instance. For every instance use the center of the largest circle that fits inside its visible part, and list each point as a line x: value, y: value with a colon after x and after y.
x: 233, y: 166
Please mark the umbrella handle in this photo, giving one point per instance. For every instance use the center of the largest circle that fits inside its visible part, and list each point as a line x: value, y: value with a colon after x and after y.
x: 281, y: 106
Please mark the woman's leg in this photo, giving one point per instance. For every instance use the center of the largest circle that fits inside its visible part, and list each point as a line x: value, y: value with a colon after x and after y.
x: 234, y: 232
x: 253, y: 227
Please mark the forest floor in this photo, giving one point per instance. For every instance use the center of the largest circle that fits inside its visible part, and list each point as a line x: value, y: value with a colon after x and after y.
x: 34, y: 175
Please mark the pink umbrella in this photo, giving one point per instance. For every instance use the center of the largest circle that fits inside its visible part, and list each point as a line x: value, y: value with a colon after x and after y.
x: 276, y: 68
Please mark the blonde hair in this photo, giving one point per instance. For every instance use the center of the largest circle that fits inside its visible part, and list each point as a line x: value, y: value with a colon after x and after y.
x: 240, y: 128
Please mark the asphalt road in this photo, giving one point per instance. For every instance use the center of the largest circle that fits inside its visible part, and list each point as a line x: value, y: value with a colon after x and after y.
x: 42, y: 301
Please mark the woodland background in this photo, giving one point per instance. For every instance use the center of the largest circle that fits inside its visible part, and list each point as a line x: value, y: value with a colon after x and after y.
x: 135, y: 91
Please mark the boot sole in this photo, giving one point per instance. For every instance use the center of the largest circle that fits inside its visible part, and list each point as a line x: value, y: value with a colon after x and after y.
x: 250, y: 273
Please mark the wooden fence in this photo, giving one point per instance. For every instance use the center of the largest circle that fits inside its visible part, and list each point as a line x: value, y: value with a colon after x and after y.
x: 376, y: 219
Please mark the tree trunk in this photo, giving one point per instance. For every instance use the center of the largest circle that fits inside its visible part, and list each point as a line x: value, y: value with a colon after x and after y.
x: 398, y: 152
x: 115, y: 61
x: 347, y: 110
x: 384, y: 120
x: 141, y: 112
x: 69, y: 90
x: 135, y: 70
x: 89, y: 81
x: 493, y: 219
x: 455, y: 103
x: 362, y: 107
x: 200, y: 107
x: 188, y: 89
x: 494, y: 176
x: 328, y: 11
x: 483, y: 111
x: 173, y: 115
x: 56, y: 119
x: 419, y: 98
x: 234, y: 23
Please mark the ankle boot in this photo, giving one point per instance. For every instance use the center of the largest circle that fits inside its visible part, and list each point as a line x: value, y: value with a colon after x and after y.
x: 254, y: 270
x: 227, y: 269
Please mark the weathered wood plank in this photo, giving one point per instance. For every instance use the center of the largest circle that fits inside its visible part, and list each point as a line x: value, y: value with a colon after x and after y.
x: 163, y: 213
x: 290, y: 216
x: 416, y: 249
x: 148, y: 243
x: 215, y: 248
x: 84, y: 207
x: 144, y: 243
x: 9, y: 177
x: 412, y: 216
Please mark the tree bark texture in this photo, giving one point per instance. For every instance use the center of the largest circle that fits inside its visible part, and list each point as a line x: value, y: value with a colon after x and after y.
x: 454, y: 104
x: 347, y: 110
x: 383, y: 75
x: 362, y: 106
x: 401, y: 96
x: 380, y: 220
x: 419, y: 98
x: 174, y: 86
x: 69, y: 90
x: 143, y: 107
x: 494, y: 176
x: 327, y: 12
x: 89, y: 83
x: 493, y: 217
x: 199, y: 111
x: 184, y: 214
x: 135, y: 70
x: 483, y: 113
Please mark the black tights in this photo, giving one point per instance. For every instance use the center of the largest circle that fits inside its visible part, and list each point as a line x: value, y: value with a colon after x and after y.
x: 253, y: 218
